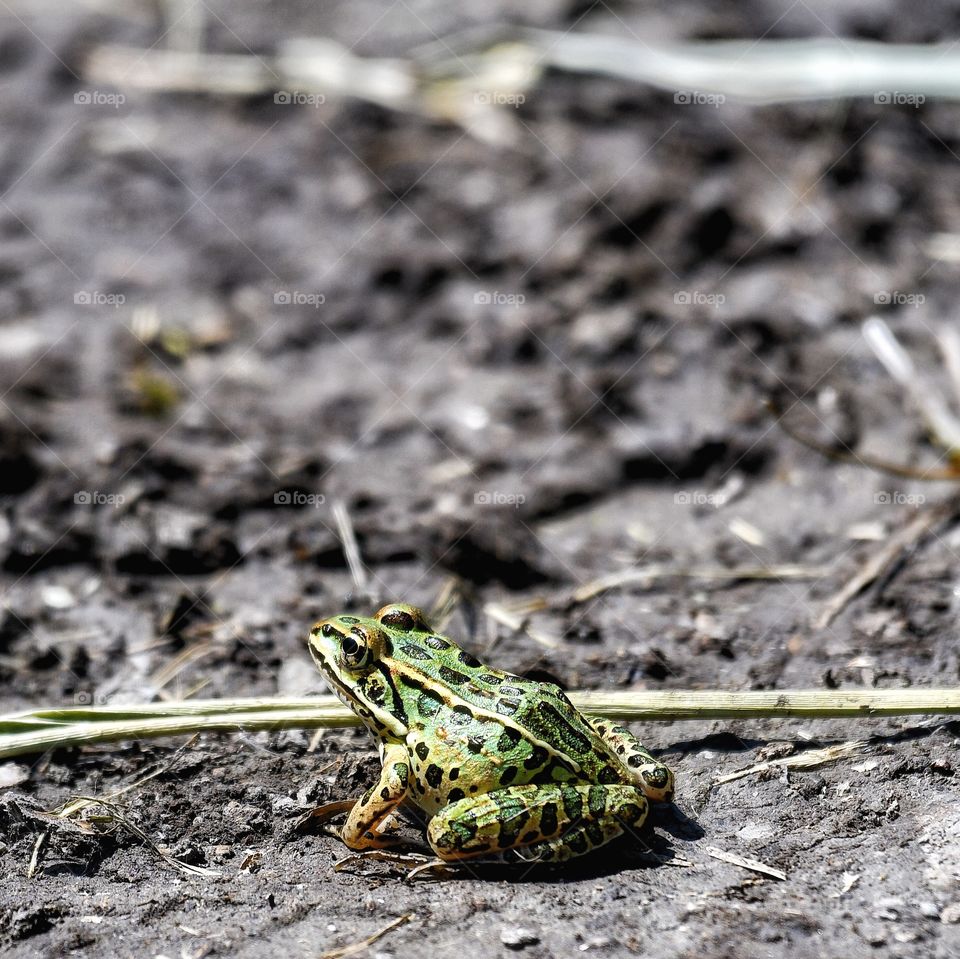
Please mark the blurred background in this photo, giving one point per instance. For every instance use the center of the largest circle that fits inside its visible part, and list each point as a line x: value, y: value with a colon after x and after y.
x: 516, y: 322
x: 305, y: 307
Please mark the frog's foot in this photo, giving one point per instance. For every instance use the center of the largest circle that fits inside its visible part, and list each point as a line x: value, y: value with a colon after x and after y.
x: 380, y: 835
x: 373, y: 819
x: 653, y: 777
x: 410, y: 864
x: 322, y: 815
x: 536, y: 823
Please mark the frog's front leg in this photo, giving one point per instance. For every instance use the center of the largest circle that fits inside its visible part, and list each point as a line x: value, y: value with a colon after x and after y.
x: 651, y: 775
x: 535, y: 823
x: 364, y: 826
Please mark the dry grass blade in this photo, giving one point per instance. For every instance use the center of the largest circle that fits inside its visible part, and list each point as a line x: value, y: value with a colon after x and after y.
x: 809, y: 759
x: 901, y: 541
x: 646, y: 574
x: 39, y: 730
x: 171, y: 669
x: 37, y: 854
x: 351, y: 550
x: 940, y: 420
x: 356, y: 947
x: 756, y: 70
x: 71, y: 807
x: 79, y: 803
x: 752, y: 864
x: 864, y: 460
x: 518, y: 621
x: 446, y: 602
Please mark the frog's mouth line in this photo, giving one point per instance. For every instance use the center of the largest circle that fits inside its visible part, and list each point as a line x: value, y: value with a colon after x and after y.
x: 347, y: 695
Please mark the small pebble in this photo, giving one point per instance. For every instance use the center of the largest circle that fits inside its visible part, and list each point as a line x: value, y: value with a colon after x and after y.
x: 951, y: 913
x: 516, y: 937
x: 12, y: 774
x: 930, y: 910
x: 888, y: 908
x: 57, y: 597
x: 873, y: 932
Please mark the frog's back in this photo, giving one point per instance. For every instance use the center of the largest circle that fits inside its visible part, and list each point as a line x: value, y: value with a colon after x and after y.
x: 531, y: 726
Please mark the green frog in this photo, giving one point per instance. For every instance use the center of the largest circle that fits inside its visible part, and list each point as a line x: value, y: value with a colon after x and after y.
x: 505, y: 767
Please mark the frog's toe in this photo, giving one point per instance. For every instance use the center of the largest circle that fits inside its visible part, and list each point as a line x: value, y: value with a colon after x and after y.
x: 656, y: 782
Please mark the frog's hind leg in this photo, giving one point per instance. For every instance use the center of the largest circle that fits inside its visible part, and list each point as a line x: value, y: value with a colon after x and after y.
x: 651, y: 775
x: 535, y: 823
x: 369, y: 822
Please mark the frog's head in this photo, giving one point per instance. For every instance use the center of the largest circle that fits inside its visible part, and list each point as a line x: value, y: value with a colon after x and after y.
x: 356, y: 655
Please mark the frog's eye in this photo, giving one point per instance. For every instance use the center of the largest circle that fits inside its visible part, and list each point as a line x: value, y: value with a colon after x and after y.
x: 361, y: 647
x: 402, y: 617
x: 352, y: 651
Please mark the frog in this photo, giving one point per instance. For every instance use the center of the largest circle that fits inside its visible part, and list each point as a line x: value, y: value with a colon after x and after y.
x: 504, y: 768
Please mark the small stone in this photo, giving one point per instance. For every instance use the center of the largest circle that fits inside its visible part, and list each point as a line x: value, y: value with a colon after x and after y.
x: 888, y: 908
x: 284, y: 805
x: 57, y: 597
x: 951, y: 913
x: 516, y: 937
x: 873, y: 932
x: 12, y: 774
x: 930, y: 910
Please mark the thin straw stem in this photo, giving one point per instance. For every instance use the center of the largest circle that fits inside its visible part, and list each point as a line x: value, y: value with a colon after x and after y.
x: 38, y: 730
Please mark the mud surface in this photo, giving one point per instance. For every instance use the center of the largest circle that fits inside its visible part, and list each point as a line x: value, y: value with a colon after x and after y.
x: 530, y: 367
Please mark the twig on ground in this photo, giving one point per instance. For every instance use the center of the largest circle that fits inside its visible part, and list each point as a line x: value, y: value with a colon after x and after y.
x: 36, y: 855
x: 79, y: 803
x: 941, y: 422
x: 645, y: 574
x: 517, y: 620
x: 753, y: 864
x: 451, y: 592
x: 356, y: 947
x: 808, y: 759
x: 351, y: 550
x: 903, y: 540
x: 170, y: 669
x: 865, y: 460
x: 71, y: 807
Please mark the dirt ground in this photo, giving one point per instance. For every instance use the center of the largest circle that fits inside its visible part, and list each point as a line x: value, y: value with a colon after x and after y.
x: 520, y: 367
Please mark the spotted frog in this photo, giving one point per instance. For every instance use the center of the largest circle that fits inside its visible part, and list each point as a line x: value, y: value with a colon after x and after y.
x: 505, y: 767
